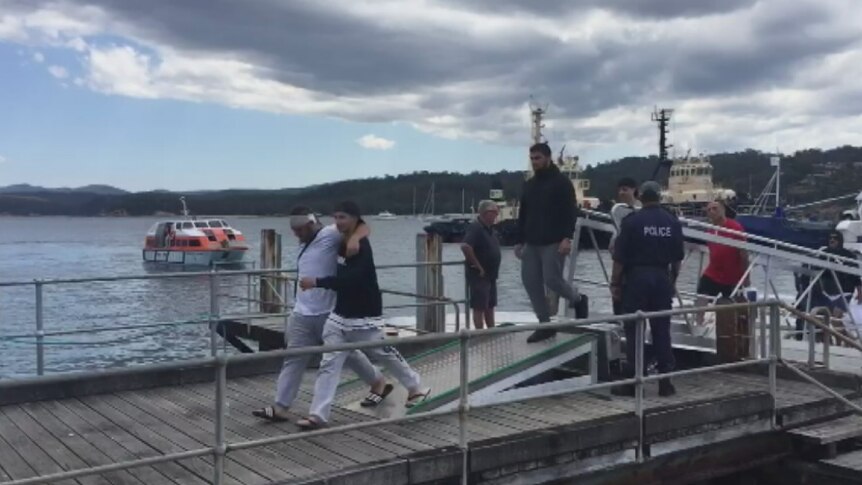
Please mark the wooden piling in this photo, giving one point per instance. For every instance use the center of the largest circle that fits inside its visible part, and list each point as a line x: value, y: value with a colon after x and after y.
x: 429, y: 282
x: 270, y: 285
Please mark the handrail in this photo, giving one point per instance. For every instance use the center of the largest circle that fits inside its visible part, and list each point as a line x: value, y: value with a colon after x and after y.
x: 220, y: 362
x: 194, y: 274
x: 828, y: 329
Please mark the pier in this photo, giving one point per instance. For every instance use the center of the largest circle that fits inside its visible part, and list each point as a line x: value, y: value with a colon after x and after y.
x: 501, y: 411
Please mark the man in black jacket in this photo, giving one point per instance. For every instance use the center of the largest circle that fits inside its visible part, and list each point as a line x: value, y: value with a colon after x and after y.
x: 357, y: 317
x: 546, y: 223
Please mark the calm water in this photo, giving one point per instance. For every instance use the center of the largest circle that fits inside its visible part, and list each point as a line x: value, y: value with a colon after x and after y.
x: 61, y: 247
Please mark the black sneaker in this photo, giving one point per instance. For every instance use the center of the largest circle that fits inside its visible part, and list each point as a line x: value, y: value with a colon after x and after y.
x: 540, y: 335
x: 627, y: 390
x: 665, y: 388
x: 582, y: 307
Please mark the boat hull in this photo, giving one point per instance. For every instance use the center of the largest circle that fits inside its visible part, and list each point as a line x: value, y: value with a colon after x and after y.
x: 812, y: 235
x: 193, y: 258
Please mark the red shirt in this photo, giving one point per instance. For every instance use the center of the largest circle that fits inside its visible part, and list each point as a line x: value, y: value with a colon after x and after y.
x: 725, y: 262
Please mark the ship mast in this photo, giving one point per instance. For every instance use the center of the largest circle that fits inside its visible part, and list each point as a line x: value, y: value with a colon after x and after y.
x: 662, y: 118
x: 537, y: 114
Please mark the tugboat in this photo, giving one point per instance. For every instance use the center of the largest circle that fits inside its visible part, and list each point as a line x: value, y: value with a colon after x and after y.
x: 690, y: 187
x: 194, y: 242
x: 507, y: 223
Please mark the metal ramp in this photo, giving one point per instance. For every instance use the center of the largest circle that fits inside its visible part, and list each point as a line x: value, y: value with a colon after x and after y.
x: 497, y: 363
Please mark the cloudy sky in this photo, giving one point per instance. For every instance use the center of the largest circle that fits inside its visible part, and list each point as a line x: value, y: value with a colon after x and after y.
x: 184, y: 94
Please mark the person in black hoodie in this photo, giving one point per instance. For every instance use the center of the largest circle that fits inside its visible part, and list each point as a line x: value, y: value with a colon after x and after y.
x: 837, y: 289
x: 546, y: 225
x: 357, y: 317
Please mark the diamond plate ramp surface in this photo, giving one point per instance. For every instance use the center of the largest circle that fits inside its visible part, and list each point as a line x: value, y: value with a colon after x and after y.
x: 492, y: 359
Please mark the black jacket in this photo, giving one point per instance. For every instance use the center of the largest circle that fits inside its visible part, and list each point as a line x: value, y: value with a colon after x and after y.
x: 548, y: 208
x: 848, y: 281
x: 355, y: 284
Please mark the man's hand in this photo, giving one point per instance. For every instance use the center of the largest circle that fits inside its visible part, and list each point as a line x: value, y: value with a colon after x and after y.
x: 519, y: 251
x: 481, y: 271
x: 352, y: 247
x: 307, y: 283
x: 616, y: 293
x: 566, y: 246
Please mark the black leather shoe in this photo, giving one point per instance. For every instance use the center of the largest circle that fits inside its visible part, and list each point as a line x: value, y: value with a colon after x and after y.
x: 540, y: 335
x: 582, y: 307
x: 665, y: 388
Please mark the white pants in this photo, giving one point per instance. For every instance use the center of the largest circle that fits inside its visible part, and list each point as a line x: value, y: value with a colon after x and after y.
x: 329, y: 374
x: 307, y: 331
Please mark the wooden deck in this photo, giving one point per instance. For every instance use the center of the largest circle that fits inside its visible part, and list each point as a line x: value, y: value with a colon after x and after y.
x: 44, y: 437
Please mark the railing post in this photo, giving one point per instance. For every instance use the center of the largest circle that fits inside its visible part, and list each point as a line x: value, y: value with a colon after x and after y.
x: 214, y: 310
x: 467, y: 309
x: 220, y: 448
x: 464, y: 405
x: 40, y: 330
x: 827, y: 337
x: 811, y: 341
x: 639, y: 386
x: 774, y: 355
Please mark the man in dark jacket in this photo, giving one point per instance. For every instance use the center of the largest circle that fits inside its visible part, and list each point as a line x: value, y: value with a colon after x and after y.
x: 546, y: 223
x: 839, y: 288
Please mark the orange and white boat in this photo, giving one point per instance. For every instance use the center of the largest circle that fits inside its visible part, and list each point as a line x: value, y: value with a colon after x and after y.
x: 194, y: 241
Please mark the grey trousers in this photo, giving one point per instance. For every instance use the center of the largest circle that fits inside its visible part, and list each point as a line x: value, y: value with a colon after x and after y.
x: 542, y: 266
x: 329, y: 374
x: 307, y: 331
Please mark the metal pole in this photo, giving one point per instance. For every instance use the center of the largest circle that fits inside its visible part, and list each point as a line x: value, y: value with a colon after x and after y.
x: 248, y: 299
x: 774, y: 355
x: 466, y: 298
x: 464, y: 406
x: 811, y: 330
x: 826, y: 341
x: 213, y: 318
x: 639, y: 386
x: 220, y: 448
x: 40, y: 331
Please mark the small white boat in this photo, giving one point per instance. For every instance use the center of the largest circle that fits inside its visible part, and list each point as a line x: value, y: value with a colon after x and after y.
x: 194, y: 242
x: 851, y: 227
x: 386, y: 216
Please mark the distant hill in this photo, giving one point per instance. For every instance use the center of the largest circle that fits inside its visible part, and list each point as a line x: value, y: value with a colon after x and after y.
x: 806, y: 176
x: 87, y: 189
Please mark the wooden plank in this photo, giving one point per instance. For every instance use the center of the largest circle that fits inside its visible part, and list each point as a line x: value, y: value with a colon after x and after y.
x: 112, y: 453
x: 831, y: 431
x: 291, y: 458
x: 152, y: 432
x: 313, y: 446
x: 851, y: 461
x: 45, y: 456
x: 126, y: 441
x: 14, y: 467
x: 181, y: 429
x: 85, y: 454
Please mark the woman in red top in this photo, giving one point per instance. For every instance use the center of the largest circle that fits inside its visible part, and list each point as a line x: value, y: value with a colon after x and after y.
x: 727, y: 264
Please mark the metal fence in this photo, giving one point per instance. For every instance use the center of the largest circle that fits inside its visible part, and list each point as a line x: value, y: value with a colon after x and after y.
x: 214, y: 316
x: 219, y: 363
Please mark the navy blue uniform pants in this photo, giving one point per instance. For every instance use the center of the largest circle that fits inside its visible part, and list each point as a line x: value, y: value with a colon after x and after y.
x: 649, y: 289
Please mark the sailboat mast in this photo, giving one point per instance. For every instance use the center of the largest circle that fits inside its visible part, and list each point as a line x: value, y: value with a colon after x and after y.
x: 462, y: 202
x: 414, y: 201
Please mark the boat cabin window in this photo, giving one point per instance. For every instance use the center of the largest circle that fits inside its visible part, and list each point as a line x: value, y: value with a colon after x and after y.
x: 215, y: 224
x: 195, y: 243
x: 188, y: 225
x: 201, y: 224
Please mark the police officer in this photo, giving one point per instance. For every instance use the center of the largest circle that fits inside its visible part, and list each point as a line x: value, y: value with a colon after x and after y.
x: 648, y: 252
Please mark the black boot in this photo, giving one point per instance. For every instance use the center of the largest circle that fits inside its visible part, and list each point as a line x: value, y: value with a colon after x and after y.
x: 626, y: 390
x: 665, y: 388
x: 540, y: 335
x: 582, y: 307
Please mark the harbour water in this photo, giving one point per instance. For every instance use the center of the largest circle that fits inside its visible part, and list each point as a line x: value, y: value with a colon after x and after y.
x: 63, y: 247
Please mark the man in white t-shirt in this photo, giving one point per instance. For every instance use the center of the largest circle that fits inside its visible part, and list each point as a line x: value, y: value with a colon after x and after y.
x: 627, y: 202
x: 318, y: 258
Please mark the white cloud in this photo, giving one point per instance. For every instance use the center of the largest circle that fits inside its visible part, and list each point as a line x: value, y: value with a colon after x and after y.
x: 39, y: 57
x: 58, y: 72
x: 374, y: 142
x: 739, y: 73
x: 2, y: 159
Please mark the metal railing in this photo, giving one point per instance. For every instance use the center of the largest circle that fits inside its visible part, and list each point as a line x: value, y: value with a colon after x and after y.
x: 219, y: 363
x: 212, y: 318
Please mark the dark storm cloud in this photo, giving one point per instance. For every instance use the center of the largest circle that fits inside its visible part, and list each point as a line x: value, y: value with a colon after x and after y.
x: 651, y: 9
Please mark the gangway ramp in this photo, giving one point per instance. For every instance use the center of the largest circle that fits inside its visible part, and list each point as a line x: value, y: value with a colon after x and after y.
x: 496, y: 364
